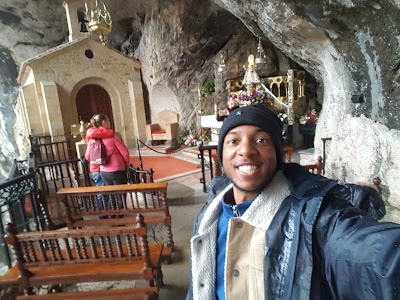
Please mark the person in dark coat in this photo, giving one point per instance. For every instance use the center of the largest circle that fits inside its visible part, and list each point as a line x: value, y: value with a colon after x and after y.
x: 271, y: 230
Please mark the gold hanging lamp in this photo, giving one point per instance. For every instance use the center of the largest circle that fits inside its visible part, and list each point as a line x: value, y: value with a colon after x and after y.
x: 100, y: 21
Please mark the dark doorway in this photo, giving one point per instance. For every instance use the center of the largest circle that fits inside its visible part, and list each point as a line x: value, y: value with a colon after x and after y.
x: 93, y: 99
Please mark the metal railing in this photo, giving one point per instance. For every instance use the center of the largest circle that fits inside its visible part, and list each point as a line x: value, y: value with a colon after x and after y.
x: 23, y: 195
x: 51, y: 151
x: 56, y: 175
x: 214, y: 166
x: 135, y: 175
x: 22, y: 203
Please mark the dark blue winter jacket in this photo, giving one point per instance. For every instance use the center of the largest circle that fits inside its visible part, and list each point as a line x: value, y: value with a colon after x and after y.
x: 325, y: 242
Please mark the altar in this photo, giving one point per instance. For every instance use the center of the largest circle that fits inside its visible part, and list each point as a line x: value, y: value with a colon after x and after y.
x: 210, y: 121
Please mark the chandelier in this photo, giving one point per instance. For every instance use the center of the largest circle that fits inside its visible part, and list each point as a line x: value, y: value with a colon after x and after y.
x: 261, y: 57
x: 99, y: 20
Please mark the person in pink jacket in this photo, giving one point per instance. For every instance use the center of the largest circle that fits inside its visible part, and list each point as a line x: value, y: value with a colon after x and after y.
x: 114, y: 172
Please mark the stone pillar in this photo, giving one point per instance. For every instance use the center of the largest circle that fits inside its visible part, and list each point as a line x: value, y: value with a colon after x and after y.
x: 24, y: 113
x: 137, y: 102
x: 52, y: 111
x: 32, y: 110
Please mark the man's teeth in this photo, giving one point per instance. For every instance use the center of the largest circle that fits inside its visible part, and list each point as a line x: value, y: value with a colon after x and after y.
x: 247, y: 169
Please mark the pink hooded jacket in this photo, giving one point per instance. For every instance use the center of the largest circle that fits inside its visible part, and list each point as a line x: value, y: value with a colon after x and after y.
x: 118, y: 152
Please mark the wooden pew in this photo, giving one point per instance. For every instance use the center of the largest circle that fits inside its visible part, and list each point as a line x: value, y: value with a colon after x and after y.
x: 119, y: 203
x: 148, y: 293
x: 313, y: 168
x: 56, y: 257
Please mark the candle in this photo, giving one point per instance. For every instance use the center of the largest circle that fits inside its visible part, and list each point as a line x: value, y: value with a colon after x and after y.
x: 86, y: 7
x: 215, y: 108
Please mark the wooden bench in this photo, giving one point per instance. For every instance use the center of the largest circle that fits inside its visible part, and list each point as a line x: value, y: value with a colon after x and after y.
x: 149, y: 199
x: 57, y: 257
x: 147, y: 293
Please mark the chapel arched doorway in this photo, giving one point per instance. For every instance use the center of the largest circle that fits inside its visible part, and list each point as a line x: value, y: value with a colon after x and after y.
x: 93, y: 99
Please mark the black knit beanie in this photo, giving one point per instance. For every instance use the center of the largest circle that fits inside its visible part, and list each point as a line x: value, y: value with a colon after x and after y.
x: 256, y: 115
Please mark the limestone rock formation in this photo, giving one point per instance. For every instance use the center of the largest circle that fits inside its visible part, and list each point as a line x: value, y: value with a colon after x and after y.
x: 347, y: 47
x: 27, y: 29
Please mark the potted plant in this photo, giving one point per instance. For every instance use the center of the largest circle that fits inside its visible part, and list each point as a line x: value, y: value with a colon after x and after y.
x: 208, y: 86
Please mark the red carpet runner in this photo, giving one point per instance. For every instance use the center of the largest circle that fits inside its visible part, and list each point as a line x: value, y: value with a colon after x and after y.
x: 163, y: 166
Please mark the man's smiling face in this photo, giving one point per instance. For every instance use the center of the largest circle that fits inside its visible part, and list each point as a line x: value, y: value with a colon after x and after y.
x: 249, y: 160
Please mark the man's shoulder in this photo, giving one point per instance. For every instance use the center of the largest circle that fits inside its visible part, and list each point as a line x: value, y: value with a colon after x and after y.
x: 302, y: 183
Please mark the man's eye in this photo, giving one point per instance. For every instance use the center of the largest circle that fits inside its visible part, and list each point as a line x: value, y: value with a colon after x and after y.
x: 262, y: 140
x: 231, y: 142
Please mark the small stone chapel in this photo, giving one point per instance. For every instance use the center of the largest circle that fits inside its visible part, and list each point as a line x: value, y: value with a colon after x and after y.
x: 78, y: 79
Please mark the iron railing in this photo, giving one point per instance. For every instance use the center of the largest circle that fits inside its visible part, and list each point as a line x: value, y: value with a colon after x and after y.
x: 135, y: 175
x: 22, y: 203
x: 214, y: 166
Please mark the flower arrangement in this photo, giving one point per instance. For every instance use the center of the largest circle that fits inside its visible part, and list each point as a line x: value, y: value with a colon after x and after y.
x: 309, y: 117
x: 187, y: 138
x: 248, y: 97
x: 283, y: 117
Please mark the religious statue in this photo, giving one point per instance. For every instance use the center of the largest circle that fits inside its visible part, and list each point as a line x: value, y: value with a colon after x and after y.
x: 251, y: 79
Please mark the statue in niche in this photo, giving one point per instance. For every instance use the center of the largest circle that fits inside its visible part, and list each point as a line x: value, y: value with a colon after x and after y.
x: 251, y: 79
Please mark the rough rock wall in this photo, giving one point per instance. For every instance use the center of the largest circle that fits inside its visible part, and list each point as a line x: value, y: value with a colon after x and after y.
x: 351, y: 47
x: 178, y: 44
x: 27, y: 28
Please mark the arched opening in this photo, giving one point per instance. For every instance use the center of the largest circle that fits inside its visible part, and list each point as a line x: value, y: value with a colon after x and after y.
x: 282, y: 89
x: 275, y: 90
x: 93, y: 99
